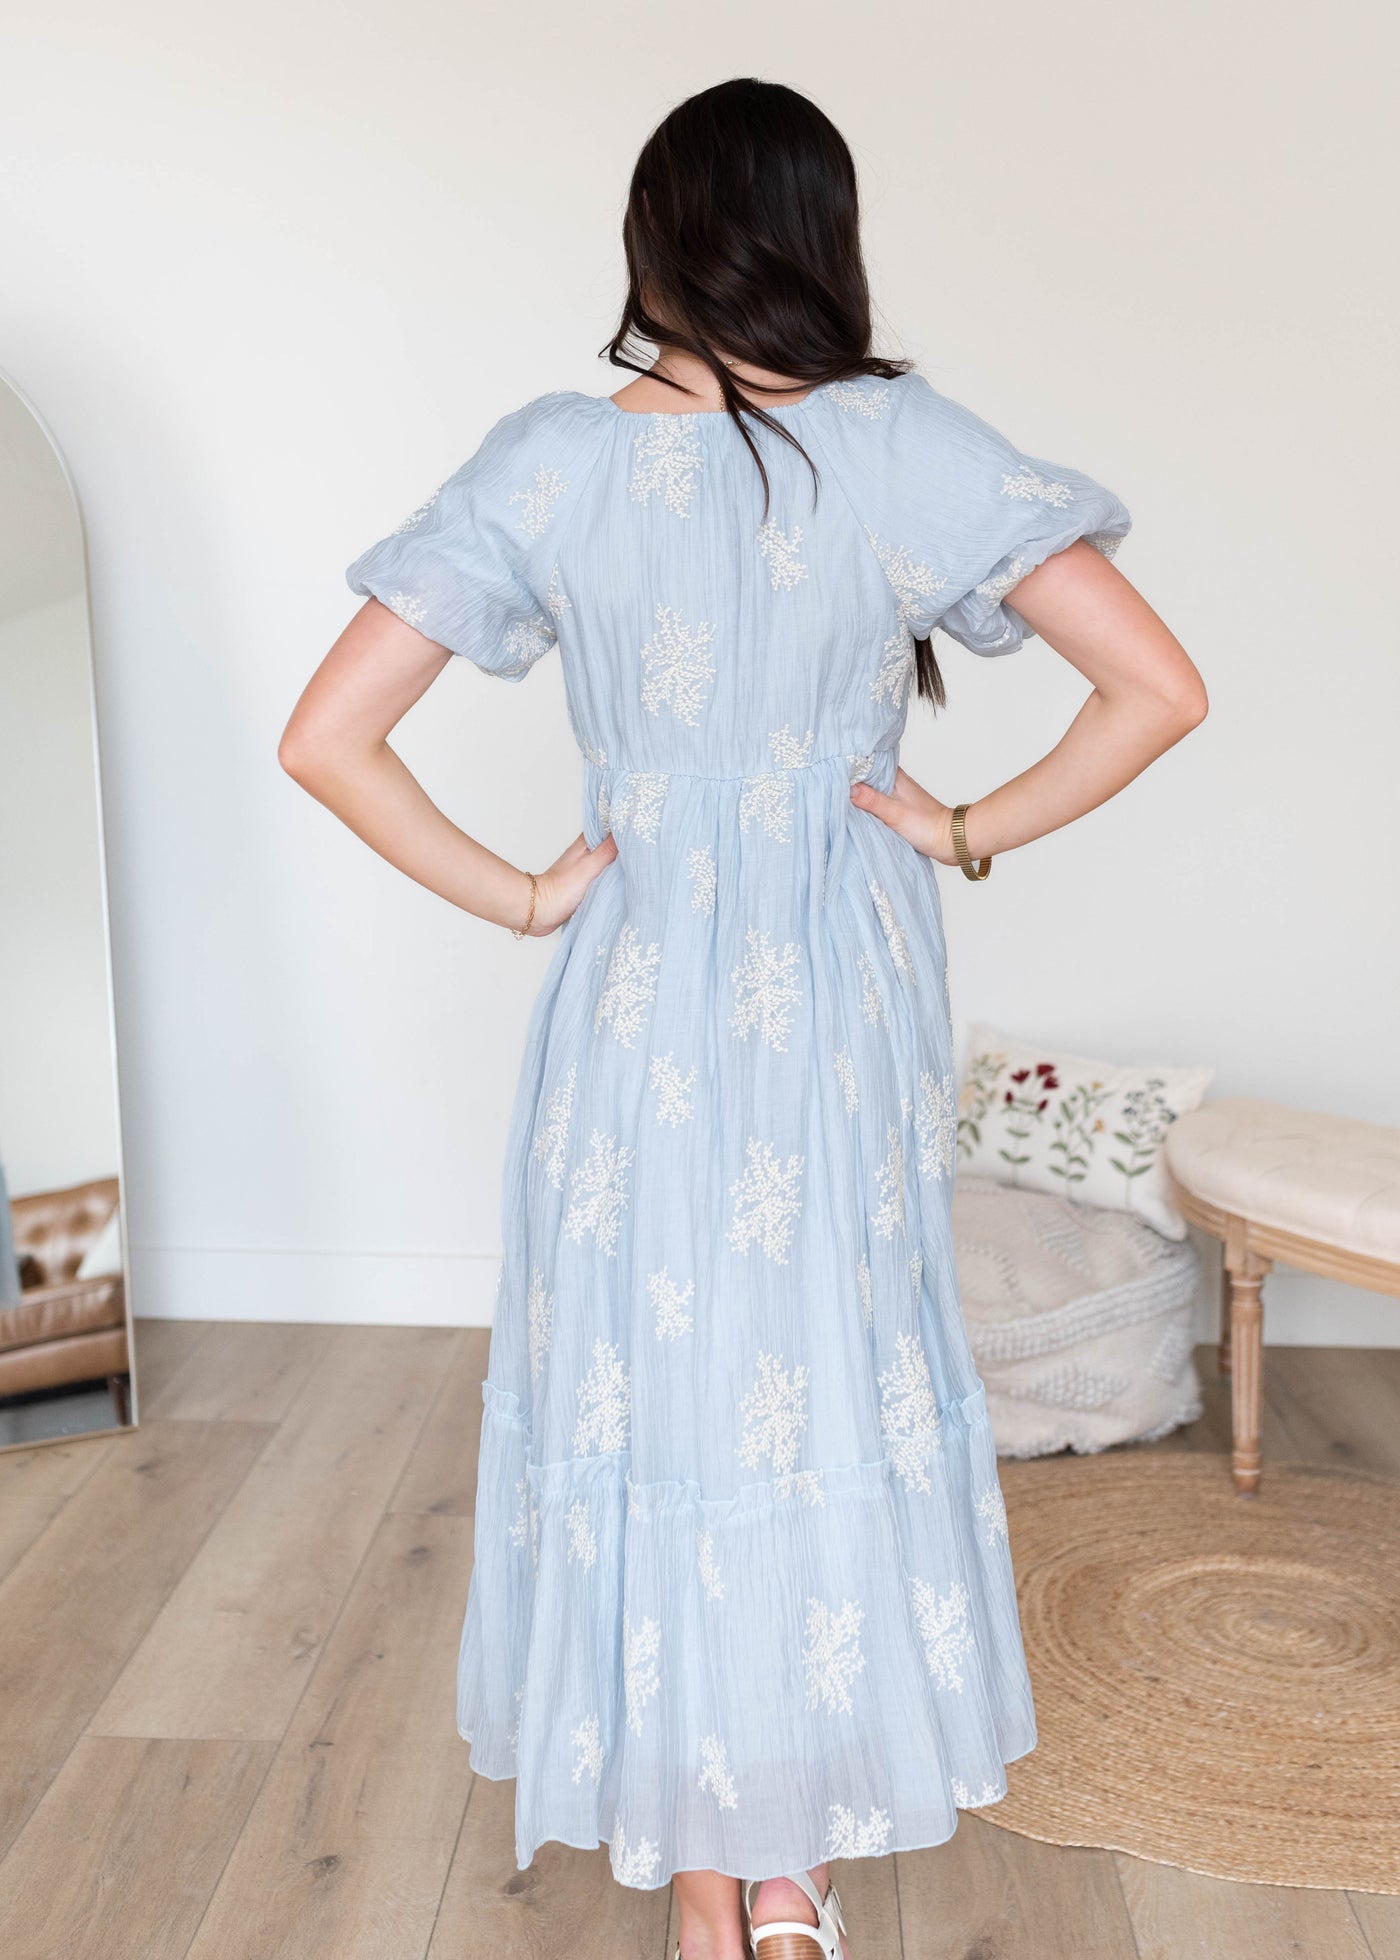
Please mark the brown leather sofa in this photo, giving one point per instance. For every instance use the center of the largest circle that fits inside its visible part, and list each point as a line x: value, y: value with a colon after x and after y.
x: 63, y: 1329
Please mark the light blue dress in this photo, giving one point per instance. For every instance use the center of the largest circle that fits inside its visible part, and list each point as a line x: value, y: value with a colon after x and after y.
x: 742, y: 1596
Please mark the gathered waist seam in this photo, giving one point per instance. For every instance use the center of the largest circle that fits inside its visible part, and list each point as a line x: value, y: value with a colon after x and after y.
x: 844, y: 756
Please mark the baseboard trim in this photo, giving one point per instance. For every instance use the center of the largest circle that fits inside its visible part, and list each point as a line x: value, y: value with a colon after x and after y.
x: 458, y: 1289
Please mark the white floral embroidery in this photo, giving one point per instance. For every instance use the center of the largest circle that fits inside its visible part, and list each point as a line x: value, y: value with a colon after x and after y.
x: 766, y: 989
x: 766, y: 1202
x: 673, y: 1104
x: 670, y: 1302
x: 767, y: 802
x: 872, y: 1001
x: 677, y: 667
x: 583, y: 1540
x: 641, y: 1676
x: 586, y: 1740
x: 936, y: 1125
x: 1029, y: 488
x: 415, y: 517
x: 410, y: 608
x: 513, y: 1732
x: 639, y: 807
x: 871, y: 401
x: 597, y: 756
x: 964, y: 1799
x: 991, y: 1509
x: 633, y: 1864
x: 598, y: 1194
x: 774, y: 1413
x: 604, y: 1404
x: 537, y: 503
x: 781, y: 548
x: 629, y: 986
x: 908, y: 1414
x: 846, y: 1077
x: 526, y: 1529
x: 715, y: 1776
x: 604, y: 808
x: 710, y: 1577
x: 556, y: 600
x: 525, y: 642
x: 916, y: 1275
x: 791, y: 751
x: 539, y: 1309
x: 888, y: 1218
x: 859, y: 767
x: 703, y: 878
x: 867, y: 1295
x: 996, y: 588
x: 894, y: 933
x: 896, y: 669
x: 552, y: 1142
x: 831, y: 1655
x: 946, y: 1635
x: 847, y: 1838
x: 1103, y: 541
x: 910, y: 579
x: 666, y: 460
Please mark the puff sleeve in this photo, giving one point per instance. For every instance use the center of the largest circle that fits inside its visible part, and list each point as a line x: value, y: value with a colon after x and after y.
x: 473, y: 568
x: 982, y: 515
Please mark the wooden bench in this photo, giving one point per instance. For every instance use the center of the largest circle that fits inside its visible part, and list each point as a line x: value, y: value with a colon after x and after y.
x: 1321, y: 1193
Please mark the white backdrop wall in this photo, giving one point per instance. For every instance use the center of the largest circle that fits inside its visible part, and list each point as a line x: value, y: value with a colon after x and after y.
x: 272, y: 273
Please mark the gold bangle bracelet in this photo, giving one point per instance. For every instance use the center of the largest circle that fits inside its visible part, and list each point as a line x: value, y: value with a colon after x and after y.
x: 969, y: 870
x: 519, y: 932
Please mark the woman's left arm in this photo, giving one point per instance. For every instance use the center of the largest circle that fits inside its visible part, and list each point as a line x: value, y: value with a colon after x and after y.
x: 1146, y: 695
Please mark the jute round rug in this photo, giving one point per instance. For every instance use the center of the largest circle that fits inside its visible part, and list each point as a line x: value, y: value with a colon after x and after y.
x: 1217, y: 1678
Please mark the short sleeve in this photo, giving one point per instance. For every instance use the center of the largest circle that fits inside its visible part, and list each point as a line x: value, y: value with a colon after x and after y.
x: 473, y: 568
x: 984, y: 514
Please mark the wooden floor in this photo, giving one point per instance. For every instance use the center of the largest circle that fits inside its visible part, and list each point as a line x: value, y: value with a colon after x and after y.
x: 227, y: 1644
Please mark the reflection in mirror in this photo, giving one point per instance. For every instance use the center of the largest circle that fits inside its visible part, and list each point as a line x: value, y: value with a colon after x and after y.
x: 65, y: 1327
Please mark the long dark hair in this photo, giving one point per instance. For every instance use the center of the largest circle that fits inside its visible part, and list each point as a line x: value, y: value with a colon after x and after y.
x: 742, y: 233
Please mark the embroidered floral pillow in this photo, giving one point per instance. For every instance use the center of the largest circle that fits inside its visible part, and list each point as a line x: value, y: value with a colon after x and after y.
x: 1088, y: 1130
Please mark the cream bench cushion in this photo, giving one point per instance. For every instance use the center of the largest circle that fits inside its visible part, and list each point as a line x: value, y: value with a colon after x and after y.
x: 1329, y: 1178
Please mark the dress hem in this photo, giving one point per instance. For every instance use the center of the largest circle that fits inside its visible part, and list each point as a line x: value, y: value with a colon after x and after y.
x: 802, y: 1863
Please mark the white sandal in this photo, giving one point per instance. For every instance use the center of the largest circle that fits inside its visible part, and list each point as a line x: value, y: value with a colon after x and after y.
x: 794, y: 1939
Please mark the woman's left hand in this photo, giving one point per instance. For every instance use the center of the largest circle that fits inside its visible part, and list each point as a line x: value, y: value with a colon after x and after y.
x: 914, y: 815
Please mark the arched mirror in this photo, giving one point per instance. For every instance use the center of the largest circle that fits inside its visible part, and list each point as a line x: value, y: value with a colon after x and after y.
x: 66, y: 1354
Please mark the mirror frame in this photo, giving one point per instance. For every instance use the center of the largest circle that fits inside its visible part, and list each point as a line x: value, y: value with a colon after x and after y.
x: 123, y: 1208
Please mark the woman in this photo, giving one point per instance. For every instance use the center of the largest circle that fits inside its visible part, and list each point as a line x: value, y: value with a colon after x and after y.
x: 742, y: 1600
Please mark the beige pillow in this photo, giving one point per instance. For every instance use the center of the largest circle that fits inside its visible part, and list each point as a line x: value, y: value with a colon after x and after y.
x: 1090, y: 1131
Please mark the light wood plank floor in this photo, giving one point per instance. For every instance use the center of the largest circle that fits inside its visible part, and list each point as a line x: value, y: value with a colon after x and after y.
x: 227, y: 1644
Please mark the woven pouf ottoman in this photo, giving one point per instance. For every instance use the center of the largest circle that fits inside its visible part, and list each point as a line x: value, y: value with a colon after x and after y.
x: 1082, y: 1322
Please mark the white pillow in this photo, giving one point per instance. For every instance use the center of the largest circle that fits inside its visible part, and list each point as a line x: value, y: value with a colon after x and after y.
x: 104, y: 1255
x: 1090, y: 1131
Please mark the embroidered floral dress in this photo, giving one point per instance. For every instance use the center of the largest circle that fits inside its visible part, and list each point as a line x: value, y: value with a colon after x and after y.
x: 742, y: 1596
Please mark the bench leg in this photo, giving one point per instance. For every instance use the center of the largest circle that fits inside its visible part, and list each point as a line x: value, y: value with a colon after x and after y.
x: 1244, y: 1283
x: 1222, y: 1352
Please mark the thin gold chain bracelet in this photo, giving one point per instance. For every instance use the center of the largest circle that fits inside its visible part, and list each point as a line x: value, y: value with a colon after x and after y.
x: 978, y: 871
x: 519, y: 932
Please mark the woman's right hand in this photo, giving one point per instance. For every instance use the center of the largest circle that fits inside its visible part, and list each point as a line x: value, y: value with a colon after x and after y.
x: 560, y: 890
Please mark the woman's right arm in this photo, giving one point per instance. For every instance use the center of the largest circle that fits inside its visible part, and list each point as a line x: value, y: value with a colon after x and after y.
x: 336, y: 746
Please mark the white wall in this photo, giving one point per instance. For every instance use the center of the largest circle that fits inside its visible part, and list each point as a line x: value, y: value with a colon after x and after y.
x: 271, y: 273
